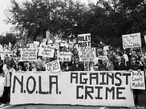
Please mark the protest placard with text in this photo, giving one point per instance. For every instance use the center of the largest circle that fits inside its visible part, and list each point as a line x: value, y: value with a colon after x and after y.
x: 86, y: 54
x: 84, y: 40
x: 28, y: 54
x: 137, y: 80
x: 53, y: 66
x: 46, y: 51
x: 104, y: 88
x: 64, y: 56
x: 131, y: 40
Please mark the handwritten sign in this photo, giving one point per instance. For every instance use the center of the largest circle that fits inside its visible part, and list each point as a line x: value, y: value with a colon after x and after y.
x: 64, y: 47
x: 64, y: 56
x: 131, y: 40
x: 87, y: 54
x: 84, y: 40
x: 46, y: 51
x: 28, y: 54
x: 137, y: 80
x: 53, y: 66
x: 109, y: 88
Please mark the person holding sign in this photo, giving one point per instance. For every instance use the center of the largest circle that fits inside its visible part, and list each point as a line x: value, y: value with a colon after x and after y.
x: 133, y: 65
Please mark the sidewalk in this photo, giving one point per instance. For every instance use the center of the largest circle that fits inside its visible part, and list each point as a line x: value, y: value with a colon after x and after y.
x: 58, y: 107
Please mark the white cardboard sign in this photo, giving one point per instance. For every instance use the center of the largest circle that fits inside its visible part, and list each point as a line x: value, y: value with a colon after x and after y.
x: 131, y: 40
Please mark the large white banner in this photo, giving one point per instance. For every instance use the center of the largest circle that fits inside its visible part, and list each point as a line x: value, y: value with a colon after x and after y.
x: 76, y: 88
x: 131, y: 40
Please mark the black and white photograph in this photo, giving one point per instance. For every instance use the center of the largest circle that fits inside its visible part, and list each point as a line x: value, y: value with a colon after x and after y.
x: 72, y: 54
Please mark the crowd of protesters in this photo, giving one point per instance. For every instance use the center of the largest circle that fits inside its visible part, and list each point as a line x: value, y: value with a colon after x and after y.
x: 117, y: 59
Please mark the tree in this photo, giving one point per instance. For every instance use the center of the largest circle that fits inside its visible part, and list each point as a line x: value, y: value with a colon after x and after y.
x: 106, y: 20
x: 38, y: 16
x: 8, y: 38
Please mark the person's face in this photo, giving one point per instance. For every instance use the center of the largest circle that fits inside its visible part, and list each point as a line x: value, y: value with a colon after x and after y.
x: 66, y: 64
x: 118, y: 59
x: 133, y: 60
x: 33, y: 65
x: 76, y: 60
x: 19, y: 67
x: 139, y: 54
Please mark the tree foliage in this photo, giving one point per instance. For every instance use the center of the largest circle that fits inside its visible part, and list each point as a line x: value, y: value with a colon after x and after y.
x: 8, y: 38
x: 106, y: 20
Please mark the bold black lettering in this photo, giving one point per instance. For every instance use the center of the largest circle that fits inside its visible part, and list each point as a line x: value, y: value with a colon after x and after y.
x: 27, y: 85
x: 20, y: 83
x: 82, y: 78
x: 126, y: 75
x: 110, y: 90
x: 88, y: 91
x: 98, y: 92
x: 74, y: 76
x: 80, y: 38
x: 53, y: 82
x: 103, y: 76
x: 78, y: 92
x: 120, y: 92
x: 118, y: 78
x: 40, y: 86
x: 94, y: 76
x: 111, y: 76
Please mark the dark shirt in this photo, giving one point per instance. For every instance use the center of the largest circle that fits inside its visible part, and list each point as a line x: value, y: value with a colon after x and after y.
x: 80, y: 67
x: 120, y: 66
x: 1, y: 68
x: 134, y: 66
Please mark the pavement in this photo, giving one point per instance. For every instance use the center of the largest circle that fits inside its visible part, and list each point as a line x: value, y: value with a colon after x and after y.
x: 141, y: 98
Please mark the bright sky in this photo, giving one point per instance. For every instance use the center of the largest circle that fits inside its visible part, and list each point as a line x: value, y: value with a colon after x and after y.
x: 5, y: 4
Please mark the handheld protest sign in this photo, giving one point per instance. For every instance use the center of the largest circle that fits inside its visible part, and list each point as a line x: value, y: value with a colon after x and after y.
x: 64, y: 47
x: 46, y: 51
x: 86, y: 54
x: 131, y: 40
x: 28, y: 54
x: 64, y: 56
x: 137, y: 80
x: 84, y: 40
x: 53, y: 66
